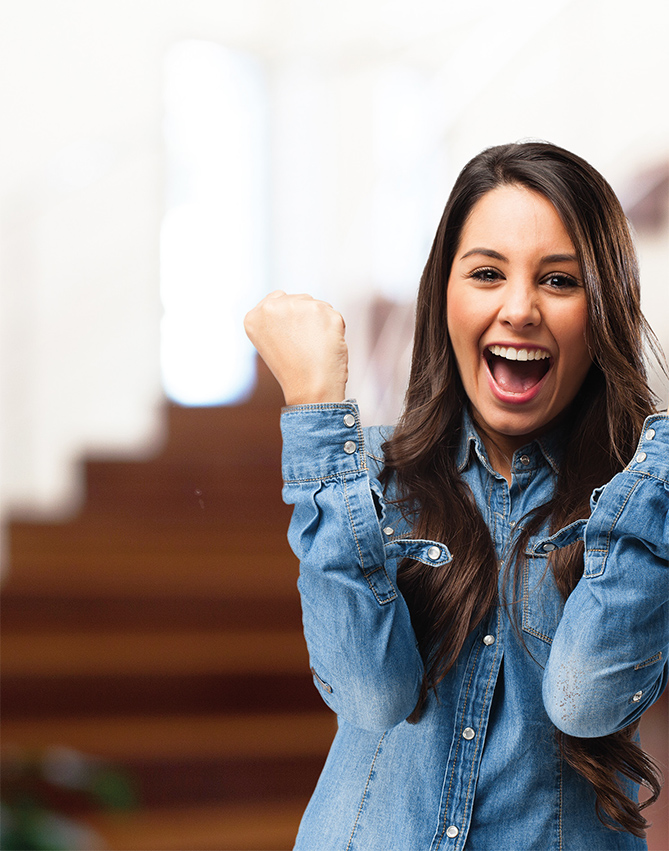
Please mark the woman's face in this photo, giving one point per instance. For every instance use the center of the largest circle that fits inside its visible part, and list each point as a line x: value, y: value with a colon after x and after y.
x: 517, y: 315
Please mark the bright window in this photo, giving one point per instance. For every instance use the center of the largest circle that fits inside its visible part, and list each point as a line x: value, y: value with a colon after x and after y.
x: 214, y: 233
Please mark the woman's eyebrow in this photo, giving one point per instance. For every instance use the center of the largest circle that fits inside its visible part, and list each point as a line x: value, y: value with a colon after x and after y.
x: 487, y: 252
x: 549, y: 258
x: 560, y: 258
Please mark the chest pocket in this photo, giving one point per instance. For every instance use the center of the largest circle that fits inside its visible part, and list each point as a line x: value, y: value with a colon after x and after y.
x: 541, y: 603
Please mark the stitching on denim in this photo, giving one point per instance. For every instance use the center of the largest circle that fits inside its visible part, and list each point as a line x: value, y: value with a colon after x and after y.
x: 390, y: 594
x: 526, y: 606
x: 339, y: 474
x: 642, y: 474
x: 373, y: 570
x: 606, y: 549
x: 457, y: 751
x: 651, y: 661
x: 537, y: 634
x: 364, y: 792
x: 351, y: 521
x: 479, y: 737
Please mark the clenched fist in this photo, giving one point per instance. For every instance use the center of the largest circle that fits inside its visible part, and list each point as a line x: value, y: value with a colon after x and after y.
x: 302, y: 341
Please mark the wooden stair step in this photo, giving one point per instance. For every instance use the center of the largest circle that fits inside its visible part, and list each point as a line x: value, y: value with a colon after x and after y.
x: 152, y: 695
x: 266, y: 827
x: 133, y: 652
x: 173, y: 737
x: 153, y: 488
x: 36, y: 609
x: 236, y: 567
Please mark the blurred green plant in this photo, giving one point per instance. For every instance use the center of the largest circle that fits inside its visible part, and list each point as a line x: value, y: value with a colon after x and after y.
x: 45, y: 797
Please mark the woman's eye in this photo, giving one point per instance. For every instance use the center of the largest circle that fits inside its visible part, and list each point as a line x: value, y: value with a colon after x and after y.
x: 560, y: 281
x: 487, y: 275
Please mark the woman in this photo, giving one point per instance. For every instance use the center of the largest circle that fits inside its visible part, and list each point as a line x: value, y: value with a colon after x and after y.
x: 487, y: 632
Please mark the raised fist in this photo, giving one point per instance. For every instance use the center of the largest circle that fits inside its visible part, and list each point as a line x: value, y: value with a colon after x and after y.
x: 302, y: 341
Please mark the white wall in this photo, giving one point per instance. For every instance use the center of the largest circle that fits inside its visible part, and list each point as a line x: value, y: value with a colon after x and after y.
x: 82, y: 170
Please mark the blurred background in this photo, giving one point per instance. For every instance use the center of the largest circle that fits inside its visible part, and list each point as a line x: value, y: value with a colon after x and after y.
x: 164, y: 163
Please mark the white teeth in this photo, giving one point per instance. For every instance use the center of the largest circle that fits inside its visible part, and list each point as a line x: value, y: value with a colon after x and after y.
x: 511, y: 353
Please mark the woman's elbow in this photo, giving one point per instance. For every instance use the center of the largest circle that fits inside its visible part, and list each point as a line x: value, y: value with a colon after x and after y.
x: 579, y: 710
x: 374, y: 707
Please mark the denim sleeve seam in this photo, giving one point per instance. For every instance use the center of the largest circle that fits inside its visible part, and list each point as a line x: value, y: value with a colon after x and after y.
x: 605, y: 550
x: 353, y: 529
x: 643, y: 474
x: 339, y: 474
x: 391, y: 593
x: 656, y: 658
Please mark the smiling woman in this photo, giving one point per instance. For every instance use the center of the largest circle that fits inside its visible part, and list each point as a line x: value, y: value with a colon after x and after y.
x: 519, y: 327
x: 484, y: 588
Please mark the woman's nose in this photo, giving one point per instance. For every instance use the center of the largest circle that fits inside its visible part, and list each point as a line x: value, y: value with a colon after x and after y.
x: 520, y: 307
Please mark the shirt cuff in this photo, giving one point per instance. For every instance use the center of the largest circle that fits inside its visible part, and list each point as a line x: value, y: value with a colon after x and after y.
x: 322, y: 440
x: 652, y: 453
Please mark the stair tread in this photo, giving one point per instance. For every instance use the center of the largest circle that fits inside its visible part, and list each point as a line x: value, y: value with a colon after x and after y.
x: 133, y: 651
x: 271, y: 826
x: 135, y: 737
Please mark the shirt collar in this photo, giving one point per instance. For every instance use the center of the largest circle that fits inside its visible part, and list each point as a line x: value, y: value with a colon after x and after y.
x: 550, y: 444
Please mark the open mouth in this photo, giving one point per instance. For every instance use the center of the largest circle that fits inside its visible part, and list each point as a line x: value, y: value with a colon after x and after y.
x: 517, y: 370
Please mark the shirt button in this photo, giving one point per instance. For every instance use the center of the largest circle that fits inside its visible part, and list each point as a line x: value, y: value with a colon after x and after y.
x: 388, y: 530
x: 637, y: 697
x: 452, y: 831
x: 548, y: 548
x: 524, y: 460
x: 488, y: 639
x: 349, y: 420
x: 433, y: 553
x: 350, y: 447
x: 640, y: 458
x: 468, y: 734
x: 650, y: 434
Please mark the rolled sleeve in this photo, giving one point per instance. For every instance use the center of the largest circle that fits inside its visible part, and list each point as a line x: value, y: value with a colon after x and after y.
x: 608, y: 661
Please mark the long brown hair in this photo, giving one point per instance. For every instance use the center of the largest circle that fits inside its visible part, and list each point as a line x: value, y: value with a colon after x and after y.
x: 601, y: 431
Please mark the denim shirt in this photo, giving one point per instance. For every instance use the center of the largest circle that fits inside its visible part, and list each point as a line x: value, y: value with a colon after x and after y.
x: 482, y: 769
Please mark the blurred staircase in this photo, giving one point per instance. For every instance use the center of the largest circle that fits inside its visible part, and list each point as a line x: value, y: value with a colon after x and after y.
x: 160, y: 631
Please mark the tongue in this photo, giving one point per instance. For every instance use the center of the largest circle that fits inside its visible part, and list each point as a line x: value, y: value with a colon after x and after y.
x: 517, y: 376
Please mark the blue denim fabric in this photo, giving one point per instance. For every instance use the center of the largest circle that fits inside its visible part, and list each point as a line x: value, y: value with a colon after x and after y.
x: 481, y: 770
